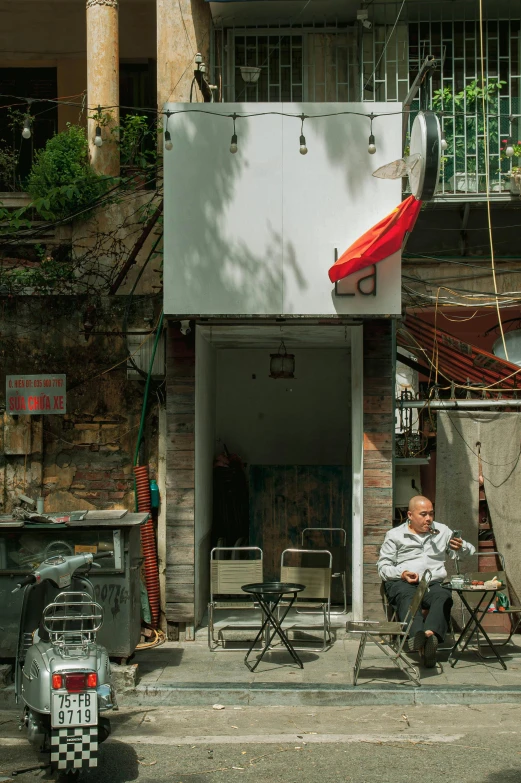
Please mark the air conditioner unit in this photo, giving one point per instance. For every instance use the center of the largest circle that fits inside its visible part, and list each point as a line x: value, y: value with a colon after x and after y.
x: 140, y: 346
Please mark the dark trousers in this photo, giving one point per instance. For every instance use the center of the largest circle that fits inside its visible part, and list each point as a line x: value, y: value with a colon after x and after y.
x: 437, y: 599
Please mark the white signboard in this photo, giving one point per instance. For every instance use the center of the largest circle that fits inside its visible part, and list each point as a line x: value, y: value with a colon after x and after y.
x: 36, y: 394
x: 255, y: 233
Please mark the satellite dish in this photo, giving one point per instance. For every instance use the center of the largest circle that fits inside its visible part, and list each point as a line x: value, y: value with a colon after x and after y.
x: 422, y: 165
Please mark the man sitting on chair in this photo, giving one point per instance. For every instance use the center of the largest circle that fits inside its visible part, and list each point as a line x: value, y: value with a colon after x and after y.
x: 407, y: 552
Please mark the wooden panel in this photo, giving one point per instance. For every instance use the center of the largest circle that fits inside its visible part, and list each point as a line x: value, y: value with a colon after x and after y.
x: 285, y: 499
x: 180, y: 477
x: 179, y: 612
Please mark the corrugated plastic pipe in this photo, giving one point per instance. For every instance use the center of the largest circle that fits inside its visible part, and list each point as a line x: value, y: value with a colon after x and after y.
x: 143, y: 503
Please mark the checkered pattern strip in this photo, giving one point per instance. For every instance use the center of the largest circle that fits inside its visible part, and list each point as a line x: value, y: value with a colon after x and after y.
x: 75, y: 748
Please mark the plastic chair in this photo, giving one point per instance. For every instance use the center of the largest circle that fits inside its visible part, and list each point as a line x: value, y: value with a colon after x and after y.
x: 339, y: 554
x: 390, y: 637
x: 317, y: 595
x: 226, y: 579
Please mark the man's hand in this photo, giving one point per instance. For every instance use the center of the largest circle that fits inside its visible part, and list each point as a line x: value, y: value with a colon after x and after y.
x: 410, y: 577
x: 456, y: 543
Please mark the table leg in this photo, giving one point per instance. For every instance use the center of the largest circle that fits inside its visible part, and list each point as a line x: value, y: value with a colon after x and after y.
x: 474, y: 620
x: 278, y: 630
x: 264, y: 625
x: 272, y: 620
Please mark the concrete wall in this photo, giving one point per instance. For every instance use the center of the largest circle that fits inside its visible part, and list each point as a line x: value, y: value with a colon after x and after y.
x: 305, y: 421
x: 205, y: 387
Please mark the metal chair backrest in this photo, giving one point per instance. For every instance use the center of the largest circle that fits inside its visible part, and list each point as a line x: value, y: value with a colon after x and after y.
x: 228, y: 576
x: 316, y: 579
x: 416, y: 602
x: 339, y: 552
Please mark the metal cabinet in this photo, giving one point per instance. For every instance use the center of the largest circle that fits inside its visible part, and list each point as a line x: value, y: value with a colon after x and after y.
x: 117, y: 584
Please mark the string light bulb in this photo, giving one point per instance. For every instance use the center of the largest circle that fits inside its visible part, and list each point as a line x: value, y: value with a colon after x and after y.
x: 302, y: 141
x: 443, y: 141
x: 233, y: 143
x: 371, y: 147
x: 168, y: 141
x: 26, y: 132
x: 98, y: 141
x: 509, y: 149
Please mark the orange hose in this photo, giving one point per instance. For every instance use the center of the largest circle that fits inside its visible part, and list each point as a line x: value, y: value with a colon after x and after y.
x: 148, y: 542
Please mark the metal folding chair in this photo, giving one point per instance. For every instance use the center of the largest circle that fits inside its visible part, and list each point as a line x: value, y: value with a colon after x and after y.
x: 390, y: 637
x: 339, y: 554
x: 228, y: 573
x: 316, y: 598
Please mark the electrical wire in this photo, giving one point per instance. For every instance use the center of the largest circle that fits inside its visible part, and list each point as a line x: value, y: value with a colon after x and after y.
x: 159, y: 639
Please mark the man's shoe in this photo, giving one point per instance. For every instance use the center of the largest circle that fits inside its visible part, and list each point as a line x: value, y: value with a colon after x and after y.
x: 430, y: 650
x: 416, y: 642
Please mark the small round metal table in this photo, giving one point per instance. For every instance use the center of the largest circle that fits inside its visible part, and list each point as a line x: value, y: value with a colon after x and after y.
x: 269, y: 595
x: 476, y: 615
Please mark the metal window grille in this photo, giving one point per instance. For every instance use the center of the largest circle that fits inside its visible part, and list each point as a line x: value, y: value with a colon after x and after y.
x: 341, y: 63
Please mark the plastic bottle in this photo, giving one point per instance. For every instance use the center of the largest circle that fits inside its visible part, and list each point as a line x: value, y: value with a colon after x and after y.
x: 154, y: 493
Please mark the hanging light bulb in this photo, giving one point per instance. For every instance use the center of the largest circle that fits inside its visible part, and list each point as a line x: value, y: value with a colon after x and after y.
x: 302, y: 141
x: 26, y: 132
x: 233, y: 143
x: 168, y: 141
x: 509, y: 149
x: 98, y: 141
x: 371, y: 147
x: 443, y: 141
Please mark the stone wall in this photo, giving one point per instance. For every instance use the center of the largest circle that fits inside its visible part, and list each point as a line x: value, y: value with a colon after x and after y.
x: 83, y: 459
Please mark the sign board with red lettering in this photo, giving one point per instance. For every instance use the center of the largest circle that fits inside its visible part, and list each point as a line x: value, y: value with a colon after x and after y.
x: 35, y: 394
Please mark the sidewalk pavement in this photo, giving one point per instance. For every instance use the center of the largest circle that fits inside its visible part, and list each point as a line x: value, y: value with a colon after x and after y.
x: 188, y: 673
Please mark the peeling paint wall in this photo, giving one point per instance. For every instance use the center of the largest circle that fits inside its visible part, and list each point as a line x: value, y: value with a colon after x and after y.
x: 81, y: 460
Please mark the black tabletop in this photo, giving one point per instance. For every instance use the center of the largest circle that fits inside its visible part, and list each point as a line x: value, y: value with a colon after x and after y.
x: 273, y: 588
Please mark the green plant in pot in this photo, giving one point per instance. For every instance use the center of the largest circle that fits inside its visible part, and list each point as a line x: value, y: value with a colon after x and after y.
x: 464, y: 126
x: 137, y: 139
x: 515, y: 174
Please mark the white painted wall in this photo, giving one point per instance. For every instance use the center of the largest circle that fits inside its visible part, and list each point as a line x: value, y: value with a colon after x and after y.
x: 255, y: 233
x: 205, y: 384
x: 305, y: 421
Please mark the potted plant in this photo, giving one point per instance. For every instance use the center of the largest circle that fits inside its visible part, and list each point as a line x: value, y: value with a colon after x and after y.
x: 464, y: 159
x: 514, y: 175
x: 137, y: 139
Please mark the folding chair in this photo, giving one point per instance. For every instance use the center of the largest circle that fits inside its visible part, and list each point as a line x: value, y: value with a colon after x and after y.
x: 391, y: 615
x: 227, y: 576
x: 389, y: 636
x: 511, y: 611
x: 339, y: 554
x: 316, y: 598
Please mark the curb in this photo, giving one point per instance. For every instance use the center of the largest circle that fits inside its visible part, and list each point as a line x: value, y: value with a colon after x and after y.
x: 310, y: 694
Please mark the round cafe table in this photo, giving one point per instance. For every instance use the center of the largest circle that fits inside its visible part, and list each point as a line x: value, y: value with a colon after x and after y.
x: 269, y: 595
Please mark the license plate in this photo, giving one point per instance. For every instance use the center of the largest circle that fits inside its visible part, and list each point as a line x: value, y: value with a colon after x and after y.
x: 74, y: 709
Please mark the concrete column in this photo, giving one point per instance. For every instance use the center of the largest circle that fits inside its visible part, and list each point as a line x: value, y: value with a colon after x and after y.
x: 183, y: 28
x: 103, y: 80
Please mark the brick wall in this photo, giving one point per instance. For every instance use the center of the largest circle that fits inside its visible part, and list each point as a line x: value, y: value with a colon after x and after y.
x: 180, y: 483
x: 379, y: 352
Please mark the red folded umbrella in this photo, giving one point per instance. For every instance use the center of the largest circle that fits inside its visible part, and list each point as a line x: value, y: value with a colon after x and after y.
x: 381, y: 241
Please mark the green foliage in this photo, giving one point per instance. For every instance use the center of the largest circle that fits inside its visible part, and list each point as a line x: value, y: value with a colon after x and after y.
x: 464, y: 126
x: 45, y: 278
x: 8, y: 163
x: 137, y: 139
x: 62, y: 181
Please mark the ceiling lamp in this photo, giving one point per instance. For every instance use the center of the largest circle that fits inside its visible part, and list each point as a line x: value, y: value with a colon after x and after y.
x: 250, y: 73
x: 282, y: 364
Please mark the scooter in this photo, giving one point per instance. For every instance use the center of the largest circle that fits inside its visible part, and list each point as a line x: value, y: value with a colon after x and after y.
x: 62, y: 675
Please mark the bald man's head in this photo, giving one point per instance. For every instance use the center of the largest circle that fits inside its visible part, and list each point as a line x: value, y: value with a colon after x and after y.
x: 420, y: 515
x: 417, y: 499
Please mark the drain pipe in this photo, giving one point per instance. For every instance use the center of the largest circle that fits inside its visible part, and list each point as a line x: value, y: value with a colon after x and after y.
x: 458, y: 404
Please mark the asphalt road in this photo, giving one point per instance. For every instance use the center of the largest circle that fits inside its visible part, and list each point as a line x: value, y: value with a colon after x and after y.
x: 477, y: 744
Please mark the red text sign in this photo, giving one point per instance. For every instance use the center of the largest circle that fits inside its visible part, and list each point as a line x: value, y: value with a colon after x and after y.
x: 36, y: 394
